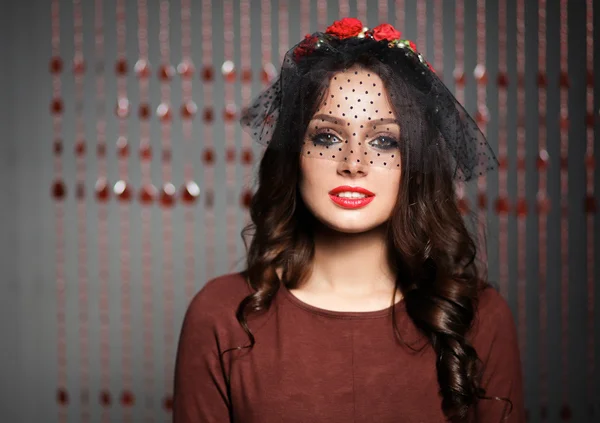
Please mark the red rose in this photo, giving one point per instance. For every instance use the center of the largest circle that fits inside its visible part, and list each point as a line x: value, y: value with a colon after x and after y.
x: 345, y: 28
x: 306, y: 46
x: 385, y: 32
x: 413, y: 46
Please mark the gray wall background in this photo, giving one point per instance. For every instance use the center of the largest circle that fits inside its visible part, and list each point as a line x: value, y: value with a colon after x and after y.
x: 28, y: 300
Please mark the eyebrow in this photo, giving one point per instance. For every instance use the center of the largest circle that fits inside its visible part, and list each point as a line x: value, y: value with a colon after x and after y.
x: 340, y: 121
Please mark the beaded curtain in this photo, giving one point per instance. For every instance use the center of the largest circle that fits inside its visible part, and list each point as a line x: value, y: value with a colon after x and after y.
x: 132, y: 179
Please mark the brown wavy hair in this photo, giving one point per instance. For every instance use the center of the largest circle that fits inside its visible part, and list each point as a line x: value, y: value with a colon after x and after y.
x: 428, y: 243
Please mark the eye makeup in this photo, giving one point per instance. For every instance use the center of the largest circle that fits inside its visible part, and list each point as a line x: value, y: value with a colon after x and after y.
x: 327, y: 137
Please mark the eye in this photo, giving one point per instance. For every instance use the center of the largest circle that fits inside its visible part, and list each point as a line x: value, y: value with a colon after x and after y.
x: 325, y: 139
x: 384, y: 143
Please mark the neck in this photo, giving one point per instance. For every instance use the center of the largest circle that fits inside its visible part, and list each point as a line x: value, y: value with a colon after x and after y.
x: 351, y: 263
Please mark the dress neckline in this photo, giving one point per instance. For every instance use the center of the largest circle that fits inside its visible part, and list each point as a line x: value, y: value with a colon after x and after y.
x: 339, y: 314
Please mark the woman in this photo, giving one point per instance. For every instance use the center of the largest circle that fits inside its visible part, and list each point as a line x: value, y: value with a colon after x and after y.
x: 361, y: 300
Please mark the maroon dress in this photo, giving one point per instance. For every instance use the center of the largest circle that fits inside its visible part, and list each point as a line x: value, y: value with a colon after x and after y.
x: 315, y: 365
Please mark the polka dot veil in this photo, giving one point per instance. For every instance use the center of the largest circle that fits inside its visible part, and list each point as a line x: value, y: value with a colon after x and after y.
x: 367, y: 101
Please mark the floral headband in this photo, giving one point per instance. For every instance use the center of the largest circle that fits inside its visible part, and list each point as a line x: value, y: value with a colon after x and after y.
x: 352, y: 27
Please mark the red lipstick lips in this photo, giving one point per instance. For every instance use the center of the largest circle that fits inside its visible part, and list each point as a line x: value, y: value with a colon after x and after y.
x: 351, y: 203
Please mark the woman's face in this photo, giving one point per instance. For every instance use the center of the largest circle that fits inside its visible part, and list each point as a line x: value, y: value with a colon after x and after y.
x: 356, y: 98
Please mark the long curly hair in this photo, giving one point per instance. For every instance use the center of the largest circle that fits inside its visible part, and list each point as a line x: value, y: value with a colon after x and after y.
x: 428, y: 242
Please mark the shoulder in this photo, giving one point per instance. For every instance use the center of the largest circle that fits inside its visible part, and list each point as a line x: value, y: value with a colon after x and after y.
x: 494, y: 322
x: 218, y: 300
x: 224, y: 288
x: 492, y: 305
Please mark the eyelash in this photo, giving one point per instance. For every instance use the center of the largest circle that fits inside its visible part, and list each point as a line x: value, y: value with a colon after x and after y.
x: 315, y: 139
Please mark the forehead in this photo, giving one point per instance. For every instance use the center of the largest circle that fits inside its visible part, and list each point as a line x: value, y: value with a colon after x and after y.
x: 356, y: 93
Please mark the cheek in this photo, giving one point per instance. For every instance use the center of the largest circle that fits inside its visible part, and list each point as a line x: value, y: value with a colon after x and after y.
x: 315, y: 174
x: 388, y: 184
x: 306, y: 182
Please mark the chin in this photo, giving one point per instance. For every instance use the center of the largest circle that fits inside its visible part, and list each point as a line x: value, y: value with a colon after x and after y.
x: 350, y: 224
x: 352, y: 230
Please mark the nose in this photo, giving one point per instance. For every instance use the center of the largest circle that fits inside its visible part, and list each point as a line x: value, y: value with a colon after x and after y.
x: 353, y: 164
